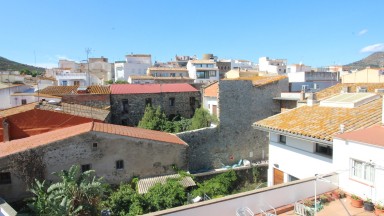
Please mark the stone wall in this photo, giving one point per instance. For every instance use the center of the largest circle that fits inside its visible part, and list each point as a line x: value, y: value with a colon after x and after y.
x: 93, y: 100
x: 142, y: 158
x: 241, y: 104
x: 137, y: 102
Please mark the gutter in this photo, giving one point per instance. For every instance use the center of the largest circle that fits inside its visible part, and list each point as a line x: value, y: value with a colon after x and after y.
x: 297, y: 136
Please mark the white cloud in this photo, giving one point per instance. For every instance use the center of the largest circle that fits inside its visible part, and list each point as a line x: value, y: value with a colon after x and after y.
x: 373, y: 48
x: 362, y: 32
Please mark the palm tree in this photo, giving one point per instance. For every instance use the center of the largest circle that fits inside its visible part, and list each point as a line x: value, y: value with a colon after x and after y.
x: 76, y: 194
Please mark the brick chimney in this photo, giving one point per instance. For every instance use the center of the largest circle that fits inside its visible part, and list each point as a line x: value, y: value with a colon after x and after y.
x: 5, y: 130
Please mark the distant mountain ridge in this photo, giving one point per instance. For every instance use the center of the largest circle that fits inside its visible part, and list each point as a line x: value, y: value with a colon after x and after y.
x: 9, y: 65
x: 375, y: 60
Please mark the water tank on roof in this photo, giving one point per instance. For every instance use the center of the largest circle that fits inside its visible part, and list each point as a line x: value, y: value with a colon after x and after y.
x: 208, y: 56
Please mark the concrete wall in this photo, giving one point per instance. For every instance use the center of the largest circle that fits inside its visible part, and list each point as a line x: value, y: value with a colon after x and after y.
x: 136, y: 105
x: 277, y: 196
x: 344, y: 151
x: 241, y: 104
x: 289, y: 159
x: 92, y: 100
x: 364, y: 76
x: 142, y: 158
x: 6, y: 92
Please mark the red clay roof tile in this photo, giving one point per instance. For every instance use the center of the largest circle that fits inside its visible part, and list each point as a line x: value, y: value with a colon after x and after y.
x: 19, y: 145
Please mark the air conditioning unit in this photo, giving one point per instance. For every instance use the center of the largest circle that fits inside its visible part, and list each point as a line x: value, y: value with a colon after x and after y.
x: 379, y: 90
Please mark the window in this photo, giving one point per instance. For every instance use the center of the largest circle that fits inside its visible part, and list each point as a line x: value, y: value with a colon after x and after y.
x: 76, y: 83
x: 282, y: 139
x: 292, y: 178
x: 120, y: 164
x: 172, y: 101
x: 125, y: 105
x: 94, y: 145
x: 148, y: 102
x: 23, y: 101
x: 362, y: 171
x: 192, y: 101
x: 5, y: 178
x: 324, y: 149
x: 85, y: 167
x: 173, y: 75
x: 64, y: 83
x: 202, y: 74
x: 212, y: 73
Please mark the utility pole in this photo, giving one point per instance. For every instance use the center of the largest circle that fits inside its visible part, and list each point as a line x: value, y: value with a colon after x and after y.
x: 87, y: 51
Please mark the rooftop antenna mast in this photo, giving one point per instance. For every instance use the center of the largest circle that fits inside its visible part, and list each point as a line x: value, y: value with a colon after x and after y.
x: 88, y: 51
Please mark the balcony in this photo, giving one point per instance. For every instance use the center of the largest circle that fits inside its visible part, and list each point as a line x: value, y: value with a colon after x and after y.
x: 259, y: 200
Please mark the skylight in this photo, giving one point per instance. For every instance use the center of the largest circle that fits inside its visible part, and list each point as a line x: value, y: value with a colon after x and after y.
x: 349, y: 100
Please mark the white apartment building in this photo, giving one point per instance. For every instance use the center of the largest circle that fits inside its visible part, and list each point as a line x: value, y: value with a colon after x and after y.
x: 167, y: 72
x: 302, y: 143
x: 203, y: 71
x: 277, y: 66
x: 135, y: 64
x: 8, y: 89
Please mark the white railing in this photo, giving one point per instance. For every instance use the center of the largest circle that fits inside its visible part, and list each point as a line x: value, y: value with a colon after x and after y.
x: 276, y: 196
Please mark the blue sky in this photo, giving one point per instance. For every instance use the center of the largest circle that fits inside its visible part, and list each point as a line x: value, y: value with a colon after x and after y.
x: 316, y: 33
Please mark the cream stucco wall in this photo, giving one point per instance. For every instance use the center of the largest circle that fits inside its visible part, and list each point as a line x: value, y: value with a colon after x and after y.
x: 368, y: 75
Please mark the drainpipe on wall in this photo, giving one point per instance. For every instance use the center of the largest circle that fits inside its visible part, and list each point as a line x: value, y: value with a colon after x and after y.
x: 5, y: 130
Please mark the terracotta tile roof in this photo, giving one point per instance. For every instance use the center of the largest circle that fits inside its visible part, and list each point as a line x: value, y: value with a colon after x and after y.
x: 77, y: 110
x: 336, y: 89
x: 211, y: 90
x: 36, y: 121
x: 18, y: 109
x: 98, y: 89
x: 138, y: 133
x: 373, y: 135
x: 36, y: 95
x: 323, y: 123
x: 151, y: 88
x: 59, y: 90
x: 19, y: 145
x: 261, y: 80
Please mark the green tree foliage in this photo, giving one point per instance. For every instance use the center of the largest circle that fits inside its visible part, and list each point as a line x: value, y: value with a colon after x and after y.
x: 154, y: 119
x: 220, y: 185
x: 75, y: 194
x: 163, y: 196
x: 121, y: 82
x: 200, y: 119
x: 125, y: 201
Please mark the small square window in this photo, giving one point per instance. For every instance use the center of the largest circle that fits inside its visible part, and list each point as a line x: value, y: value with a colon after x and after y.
x: 172, y: 101
x: 85, y: 167
x: 282, y: 139
x: 120, y: 164
x: 94, y: 145
x: 148, y: 102
x: 23, y: 101
x: 5, y: 178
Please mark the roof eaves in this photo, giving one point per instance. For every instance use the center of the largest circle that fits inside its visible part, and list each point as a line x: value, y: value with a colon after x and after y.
x: 291, y: 134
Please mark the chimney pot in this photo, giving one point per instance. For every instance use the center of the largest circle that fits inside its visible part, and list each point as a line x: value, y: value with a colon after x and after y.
x: 5, y: 130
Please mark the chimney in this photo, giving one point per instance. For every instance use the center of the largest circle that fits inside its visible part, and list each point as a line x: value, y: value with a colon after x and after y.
x: 5, y: 131
x: 302, y: 95
x: 311, y: 100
